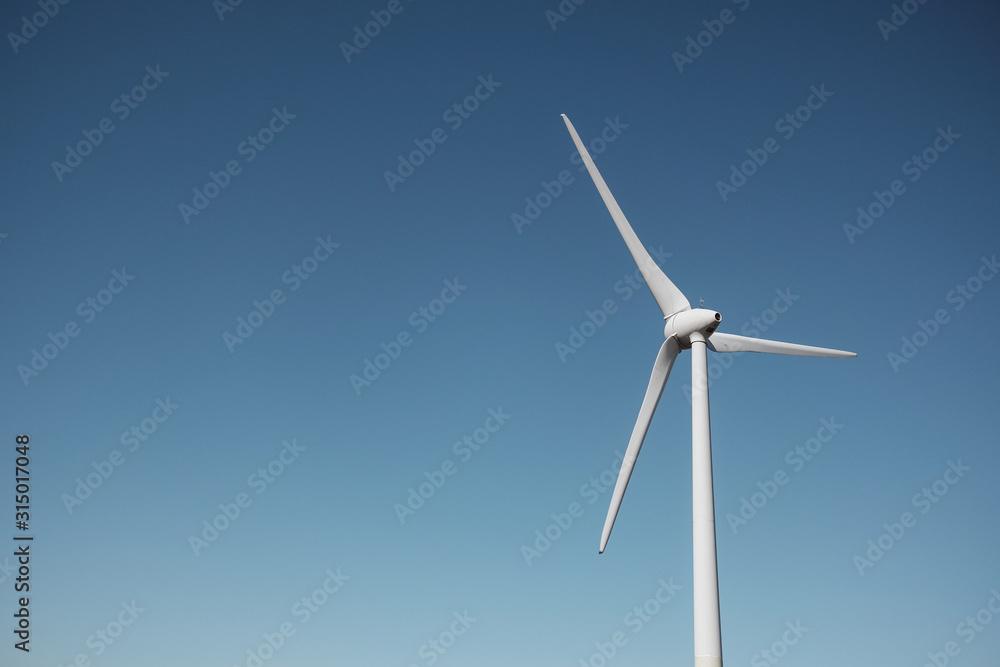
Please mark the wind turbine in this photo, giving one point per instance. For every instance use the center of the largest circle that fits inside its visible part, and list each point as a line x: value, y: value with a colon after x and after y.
x: 694, y: 329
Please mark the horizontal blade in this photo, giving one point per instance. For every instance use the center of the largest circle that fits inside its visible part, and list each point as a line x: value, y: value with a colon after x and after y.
x: 670, y: 299
x: 661, y: 371
x: 723, y: 342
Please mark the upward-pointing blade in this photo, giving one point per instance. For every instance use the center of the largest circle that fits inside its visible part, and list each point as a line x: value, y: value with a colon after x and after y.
x: 670, y: 299
x: 661, y: 371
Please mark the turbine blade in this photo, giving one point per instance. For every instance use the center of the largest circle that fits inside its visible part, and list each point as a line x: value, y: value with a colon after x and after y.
x: 723, y: 342
x: 661, y: 371
x: 670, y: 299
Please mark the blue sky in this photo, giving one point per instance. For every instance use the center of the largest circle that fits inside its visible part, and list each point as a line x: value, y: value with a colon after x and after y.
x: 318, y: 263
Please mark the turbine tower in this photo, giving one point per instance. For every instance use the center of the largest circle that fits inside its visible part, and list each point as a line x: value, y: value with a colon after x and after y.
x: 685, y: 329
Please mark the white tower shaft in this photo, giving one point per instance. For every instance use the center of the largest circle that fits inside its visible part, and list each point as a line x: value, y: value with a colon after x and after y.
x: 707, y: 621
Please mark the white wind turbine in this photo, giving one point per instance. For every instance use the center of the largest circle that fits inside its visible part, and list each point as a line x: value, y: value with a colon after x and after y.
x: 693, y: 329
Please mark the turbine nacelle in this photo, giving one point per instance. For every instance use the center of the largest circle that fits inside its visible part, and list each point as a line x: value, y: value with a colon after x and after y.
x: 681, y: 325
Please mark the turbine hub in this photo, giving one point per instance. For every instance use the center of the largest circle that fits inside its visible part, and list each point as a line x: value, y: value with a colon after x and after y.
x: 681, y: 325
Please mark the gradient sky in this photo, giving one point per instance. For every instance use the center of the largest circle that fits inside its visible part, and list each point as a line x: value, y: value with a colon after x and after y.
x: 356, y: 256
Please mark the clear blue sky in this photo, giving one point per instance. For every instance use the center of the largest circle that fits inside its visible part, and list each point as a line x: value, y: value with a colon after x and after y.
x: 248, y: 163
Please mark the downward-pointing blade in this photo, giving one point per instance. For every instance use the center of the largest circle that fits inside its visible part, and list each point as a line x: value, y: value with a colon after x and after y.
x: 661, y: 371
x: 670, y: 299
x: 723, y: 342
